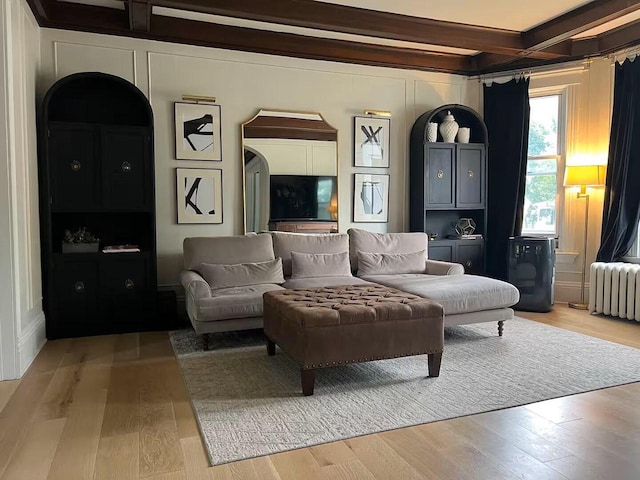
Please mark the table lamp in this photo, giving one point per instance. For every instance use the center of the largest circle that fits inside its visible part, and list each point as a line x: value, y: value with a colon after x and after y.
x: 583, y: 176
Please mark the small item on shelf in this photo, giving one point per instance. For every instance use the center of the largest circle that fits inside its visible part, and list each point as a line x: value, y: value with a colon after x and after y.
x: 473, y: 236
x: 448, y: 128
x: 80, y: 241
x: 433, y: 236
x: 432, y: 132
x: 465, y: 226
x: 121, y: 249
x: 464, y: 134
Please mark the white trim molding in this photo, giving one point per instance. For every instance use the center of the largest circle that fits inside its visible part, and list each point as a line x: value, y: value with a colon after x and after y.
x: 30, y: 342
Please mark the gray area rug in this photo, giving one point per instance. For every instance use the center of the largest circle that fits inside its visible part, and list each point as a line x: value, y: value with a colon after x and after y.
x: 249, y: 404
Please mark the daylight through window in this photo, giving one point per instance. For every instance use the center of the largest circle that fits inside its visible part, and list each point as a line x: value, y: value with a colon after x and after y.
x: 543, y: 163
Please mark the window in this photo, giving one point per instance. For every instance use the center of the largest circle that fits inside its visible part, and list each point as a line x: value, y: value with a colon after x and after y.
x: 545, y: 164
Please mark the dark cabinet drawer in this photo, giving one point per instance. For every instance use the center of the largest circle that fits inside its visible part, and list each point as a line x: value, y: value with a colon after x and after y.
x: 125, y: 169
x: 470, y: 255
x: 77, y: 295
x: 439, y: 187
x: 74, y: 168
x: 125, y: 293
x: 470, y: 173
x: 442, y: 250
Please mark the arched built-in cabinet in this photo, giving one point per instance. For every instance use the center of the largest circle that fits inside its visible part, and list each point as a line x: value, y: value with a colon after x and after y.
x: 448, y: 181
x: 96, y: 171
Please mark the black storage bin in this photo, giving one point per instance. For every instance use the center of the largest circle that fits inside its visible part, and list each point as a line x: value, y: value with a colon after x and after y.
x: 532, y: 271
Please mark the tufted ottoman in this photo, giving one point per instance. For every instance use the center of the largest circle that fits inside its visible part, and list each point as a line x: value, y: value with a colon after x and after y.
x: 324, y: 327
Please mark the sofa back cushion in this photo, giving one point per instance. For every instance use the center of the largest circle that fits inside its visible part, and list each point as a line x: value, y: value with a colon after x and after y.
x: 229, y: 250
x: 309, y: 265
x: 364, y: 241
x: 391, y: 263
x: 242, y: 274
x: 284, y: 243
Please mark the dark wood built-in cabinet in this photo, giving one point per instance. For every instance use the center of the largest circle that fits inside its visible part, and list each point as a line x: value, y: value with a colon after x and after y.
x: 448, y: 182
x: 96, y: 171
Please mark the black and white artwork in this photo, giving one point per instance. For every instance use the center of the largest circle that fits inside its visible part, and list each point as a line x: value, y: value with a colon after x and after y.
x: 199, y: 198
x: 198, y: 132
x: 371, y: 142
x: 371, y: 198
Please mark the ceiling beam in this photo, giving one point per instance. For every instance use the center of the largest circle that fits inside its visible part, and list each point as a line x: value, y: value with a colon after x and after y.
x: 139, y: 15
x: 360, y: 21
x: 276, y: 43
x: 95, y: 19
x: 576, y: 21
x: 619, y: 38
x: 40, y: 9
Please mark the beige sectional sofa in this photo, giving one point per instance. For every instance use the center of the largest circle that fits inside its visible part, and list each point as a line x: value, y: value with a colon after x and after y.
x: 240, y: 269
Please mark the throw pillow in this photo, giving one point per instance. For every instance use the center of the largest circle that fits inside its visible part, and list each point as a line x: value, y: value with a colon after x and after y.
x: 391, y: 263
x: 306, y: 265
x: 242, y: 274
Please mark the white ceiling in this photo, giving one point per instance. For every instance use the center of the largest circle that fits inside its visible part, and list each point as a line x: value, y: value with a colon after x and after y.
x: 510, y: 14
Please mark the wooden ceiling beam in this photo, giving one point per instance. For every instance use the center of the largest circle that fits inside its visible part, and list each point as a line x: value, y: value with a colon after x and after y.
x: 360, y: 21
x: 139, y: 15
x: 619, y: 38
x: 276, y: 43
x: 96, y: 19
x: 40, y: 9
x: 576, y: 21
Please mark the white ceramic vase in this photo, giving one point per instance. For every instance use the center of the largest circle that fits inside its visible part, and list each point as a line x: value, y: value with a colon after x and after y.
x: 448, y: 128
x: 432, y: 132
x: 464, y: 133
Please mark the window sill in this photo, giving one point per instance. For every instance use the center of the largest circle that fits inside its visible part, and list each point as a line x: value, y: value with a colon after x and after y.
x: 635, y: 260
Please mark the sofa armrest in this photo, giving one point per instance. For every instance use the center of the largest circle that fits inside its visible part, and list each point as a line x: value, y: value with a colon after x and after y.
x: 436, y: 267
x: 194, y: 285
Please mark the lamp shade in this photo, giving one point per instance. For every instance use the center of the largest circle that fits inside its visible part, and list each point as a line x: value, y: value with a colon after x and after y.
x: 579, y: 175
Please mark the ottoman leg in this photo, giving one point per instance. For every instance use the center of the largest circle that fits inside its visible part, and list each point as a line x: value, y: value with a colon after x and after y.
x: 500, y: 327
x: 308, y: 381
x: 434, y: 364
x: 271, y: 347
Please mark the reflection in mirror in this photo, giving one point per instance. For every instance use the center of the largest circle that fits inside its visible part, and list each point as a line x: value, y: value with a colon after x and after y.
x: 290, y: 163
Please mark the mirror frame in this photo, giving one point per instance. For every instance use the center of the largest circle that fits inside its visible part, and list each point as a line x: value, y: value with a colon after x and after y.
x: 261, y: 112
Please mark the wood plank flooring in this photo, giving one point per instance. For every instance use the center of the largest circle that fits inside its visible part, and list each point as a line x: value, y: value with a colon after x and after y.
x: 115, y: 407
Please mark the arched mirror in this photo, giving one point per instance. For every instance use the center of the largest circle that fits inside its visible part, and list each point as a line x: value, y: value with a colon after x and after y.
x: 290, y: 172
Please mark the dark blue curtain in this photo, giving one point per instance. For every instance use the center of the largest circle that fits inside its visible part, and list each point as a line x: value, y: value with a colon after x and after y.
x: 506, y: 113
x: 622, y: 194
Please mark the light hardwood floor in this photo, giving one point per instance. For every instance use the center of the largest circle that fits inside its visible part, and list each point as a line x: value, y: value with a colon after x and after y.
x: 115, y: 407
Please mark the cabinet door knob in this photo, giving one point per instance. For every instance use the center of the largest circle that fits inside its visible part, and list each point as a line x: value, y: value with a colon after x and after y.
x: 440, y: 174
x: 128, y: 284
x: 126, y: 167
x: 79, y: 287
x: 470, y: 173
x: 469, y: 263
x: 75, y: 166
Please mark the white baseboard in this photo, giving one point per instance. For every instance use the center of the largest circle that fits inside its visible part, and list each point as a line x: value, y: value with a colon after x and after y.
x: 31, y: 342
x: 569, y: 292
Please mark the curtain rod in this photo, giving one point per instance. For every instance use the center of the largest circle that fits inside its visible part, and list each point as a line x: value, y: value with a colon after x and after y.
x: 620, y: 56
x: 541, y: 71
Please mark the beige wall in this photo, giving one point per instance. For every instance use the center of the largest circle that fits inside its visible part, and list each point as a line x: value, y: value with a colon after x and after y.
x: 243, y: 83
x: 22, y: 328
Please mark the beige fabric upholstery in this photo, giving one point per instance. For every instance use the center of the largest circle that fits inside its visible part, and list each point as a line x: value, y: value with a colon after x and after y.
x: 227, y: 250
x: 497, y: 315
x: 456, y: 293
x: 220, y: 276
x: 436, y: 267
x: 323, y: 282
x: 308, y: 265
x: 364, y: 241
x: 284, y: 243
x: 233, y: 302
x: 391, y: 263
x: 194, y: 285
